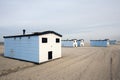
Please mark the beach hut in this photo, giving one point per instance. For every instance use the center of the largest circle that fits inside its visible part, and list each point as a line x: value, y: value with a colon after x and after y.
x: 108, y: 42
x: 37, y: 47
x: 75, y: 44
x: 69, y: 43
x: 80, y: 42
x: 99, y: 43
x: 113, y: 42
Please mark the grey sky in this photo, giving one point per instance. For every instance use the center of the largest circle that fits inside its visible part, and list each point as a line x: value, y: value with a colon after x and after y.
x: 88, y: 19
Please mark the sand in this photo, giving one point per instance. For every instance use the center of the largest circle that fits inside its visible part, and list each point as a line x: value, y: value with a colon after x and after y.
x: 83, y: 63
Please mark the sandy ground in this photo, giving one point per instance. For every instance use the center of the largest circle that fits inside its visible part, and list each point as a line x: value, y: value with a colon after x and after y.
x: 8, y: 65
x: 85, y: 63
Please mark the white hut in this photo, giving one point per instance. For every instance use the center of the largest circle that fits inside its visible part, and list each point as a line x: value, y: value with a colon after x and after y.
x: 75, y: 43
x: 37, y: 47
x: 80, y: 42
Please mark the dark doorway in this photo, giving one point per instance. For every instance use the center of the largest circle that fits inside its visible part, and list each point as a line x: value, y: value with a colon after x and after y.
x: 50, y: 55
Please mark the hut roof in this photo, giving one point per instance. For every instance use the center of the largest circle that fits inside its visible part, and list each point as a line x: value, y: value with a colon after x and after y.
x: 34, y: 34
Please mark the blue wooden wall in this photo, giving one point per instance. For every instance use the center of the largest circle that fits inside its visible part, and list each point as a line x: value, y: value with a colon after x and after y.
x: 67, y: 43
x: 78, y: 42
x: 23, y: 48
x: 112, y: 42
x: 98, y: 43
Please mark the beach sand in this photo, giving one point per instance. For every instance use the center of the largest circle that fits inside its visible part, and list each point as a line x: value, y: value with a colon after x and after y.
x: 82, y: 63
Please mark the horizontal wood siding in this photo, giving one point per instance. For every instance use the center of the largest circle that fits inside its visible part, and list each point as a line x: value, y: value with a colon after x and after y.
x: 67, y: 43
x: 23, y: 48
x: 99, y: 43
x: 79, y: 42
x: 112, y: 42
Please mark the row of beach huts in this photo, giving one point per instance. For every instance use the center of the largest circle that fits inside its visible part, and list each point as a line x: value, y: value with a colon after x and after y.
x: 40, y: 47
x: 93, y: 43
x: 73, y: 43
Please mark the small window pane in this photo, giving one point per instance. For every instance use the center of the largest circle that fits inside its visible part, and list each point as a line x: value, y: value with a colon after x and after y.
x: 44, y: 40
x: 57, y: 40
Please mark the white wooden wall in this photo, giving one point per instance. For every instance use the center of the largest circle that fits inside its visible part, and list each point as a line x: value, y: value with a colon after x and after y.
x: 51, y: 45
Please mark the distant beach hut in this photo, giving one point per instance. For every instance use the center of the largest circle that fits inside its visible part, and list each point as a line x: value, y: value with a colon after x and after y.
x: 37, y: 47
x: 99, y: 43
x: 80, y: 42
x: 108, y: 42
x: 69, y: 43
x: 113, y: 42
x: 75, y: 44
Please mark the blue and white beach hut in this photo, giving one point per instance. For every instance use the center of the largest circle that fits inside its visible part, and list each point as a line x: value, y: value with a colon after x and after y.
x: 113, y: 42
x: 80, y: 42
x: 37, y: 47
x: 99, y: 43
x: 69, y: 43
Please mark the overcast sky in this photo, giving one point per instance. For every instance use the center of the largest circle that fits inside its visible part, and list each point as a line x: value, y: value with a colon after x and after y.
x: 87, y: 19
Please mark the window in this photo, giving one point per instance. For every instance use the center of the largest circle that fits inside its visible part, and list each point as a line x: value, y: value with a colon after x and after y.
x: 57, y: 40
x: 44, y: 40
